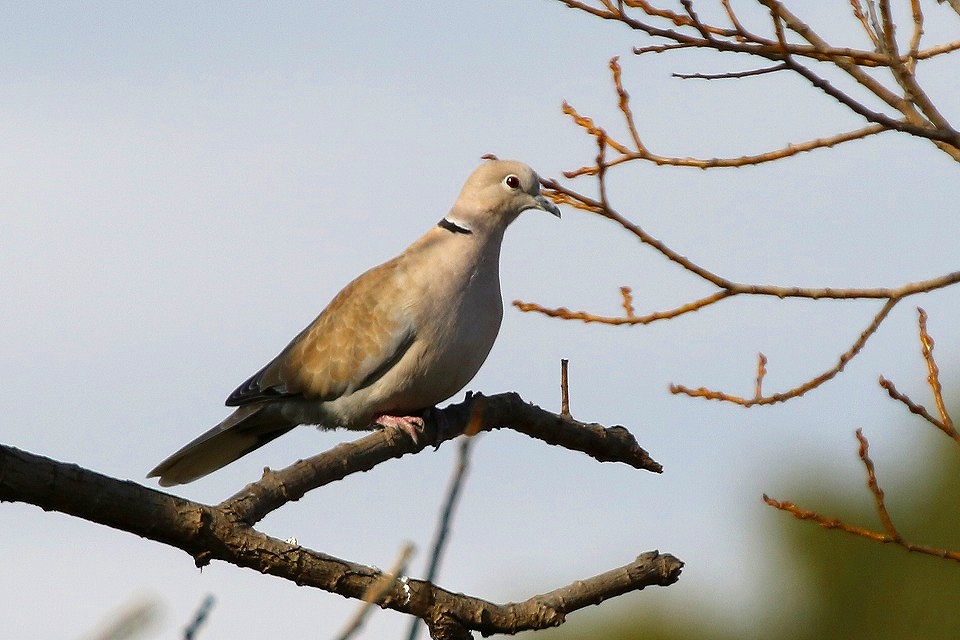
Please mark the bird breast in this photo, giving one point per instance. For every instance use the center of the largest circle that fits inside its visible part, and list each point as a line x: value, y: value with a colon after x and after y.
x: 455, y: 313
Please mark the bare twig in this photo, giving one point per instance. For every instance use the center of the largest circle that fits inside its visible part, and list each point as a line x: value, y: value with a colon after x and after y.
x: 914, y: 408
x: 911, y: 62
x: 565, y: 314
x: 624, y: 103
x: 862, y: 19
x: 801, y: 389
x: 890, y: 535
x: 627, y: 294
x: 446, y: 516
x: 874, y: 486
x: 742, y: 34
x: 903, y: 70
x: 730, y: 75
x: 761, y: 373
x: 933, y: 377
x: 640, y: 152
x: 944, y: 422
x: 914, y: 112
x: 377, y: 591
x: 199, y: 618
x: 728, y: 288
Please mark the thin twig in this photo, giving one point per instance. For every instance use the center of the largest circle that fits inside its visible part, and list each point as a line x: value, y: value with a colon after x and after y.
x: 644, y: 154
x: 694, y: 32
x: 876, y: 536
x: 602, y: 167
x: 742, y: 34
x: 890, y: 536
x: 904, y: 75
x: 911, y: 61
x: 915, y: 408
x: 729, y: 287
x: 731, y: 75
x: 565, y: 314
x: 944, y: 422
x: 933, y: 376
x: 761, y: 373
x: 199, y: 618
x: 874, y: 486
x: 801, y: 389
x: 454, y: 490
x: 628, y: 309
x: 377, y: 591
x: 862, y: 19
x: 624, y: 103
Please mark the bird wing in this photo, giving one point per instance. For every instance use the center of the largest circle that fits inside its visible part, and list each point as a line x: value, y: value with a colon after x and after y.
x: 363, y: 332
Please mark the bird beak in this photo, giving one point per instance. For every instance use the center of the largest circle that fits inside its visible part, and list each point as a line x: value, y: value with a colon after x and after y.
x: 546, y: 205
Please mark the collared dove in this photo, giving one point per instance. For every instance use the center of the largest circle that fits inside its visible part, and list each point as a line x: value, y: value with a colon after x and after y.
x: 400, y: 338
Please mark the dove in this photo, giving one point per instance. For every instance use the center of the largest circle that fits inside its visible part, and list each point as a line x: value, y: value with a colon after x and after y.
x: 396, y: 341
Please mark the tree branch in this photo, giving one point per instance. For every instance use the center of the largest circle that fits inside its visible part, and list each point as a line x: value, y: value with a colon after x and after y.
x: 225, y: 532
x: 889, y: 535
x: 920, y: 116
x: 726, y: 289
x: 800, y: 389
x: 505, y: 410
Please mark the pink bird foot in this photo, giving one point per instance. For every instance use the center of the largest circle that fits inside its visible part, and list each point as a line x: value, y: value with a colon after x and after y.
x: 411, y: 425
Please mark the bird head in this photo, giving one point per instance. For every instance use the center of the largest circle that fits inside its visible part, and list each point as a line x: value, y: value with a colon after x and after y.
x: 496, y: 193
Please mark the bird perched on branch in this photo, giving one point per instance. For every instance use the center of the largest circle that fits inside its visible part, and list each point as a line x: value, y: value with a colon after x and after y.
x: 400, y: 338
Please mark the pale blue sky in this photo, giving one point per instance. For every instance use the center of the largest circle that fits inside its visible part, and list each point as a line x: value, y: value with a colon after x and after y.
x: 184, y: 187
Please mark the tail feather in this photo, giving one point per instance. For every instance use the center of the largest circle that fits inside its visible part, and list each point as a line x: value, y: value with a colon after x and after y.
x: 246, y: 429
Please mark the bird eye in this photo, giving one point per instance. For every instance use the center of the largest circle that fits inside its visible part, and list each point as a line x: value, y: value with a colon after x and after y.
x: 512, y: 181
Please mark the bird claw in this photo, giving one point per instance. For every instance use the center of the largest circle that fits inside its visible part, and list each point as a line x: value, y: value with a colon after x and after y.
x: 411, y: 425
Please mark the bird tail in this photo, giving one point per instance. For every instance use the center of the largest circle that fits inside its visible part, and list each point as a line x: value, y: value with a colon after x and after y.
x: 246, y: 429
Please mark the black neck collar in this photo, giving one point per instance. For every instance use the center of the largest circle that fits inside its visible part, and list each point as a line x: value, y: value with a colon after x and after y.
x: 452, y: 227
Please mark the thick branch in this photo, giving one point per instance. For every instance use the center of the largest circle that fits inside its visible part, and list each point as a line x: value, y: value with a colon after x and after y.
x: 209, y: 532
x: 505, y: 410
